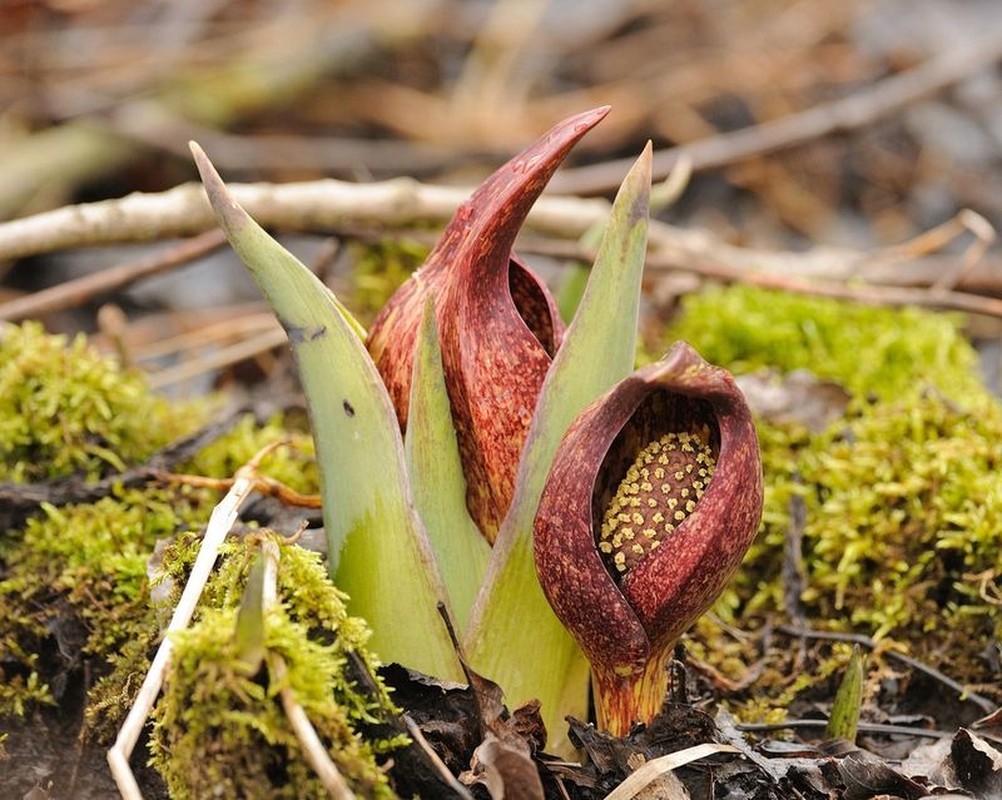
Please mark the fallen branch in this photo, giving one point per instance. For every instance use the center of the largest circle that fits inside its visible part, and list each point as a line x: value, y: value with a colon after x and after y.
x: 883, y: 98
x: 309, y: 206
x: 222, y: 519
x: 865, y: 641
x: 263, y: 485
x: 17, y: 500
x: 392, y: 205
x: 862, y: 293
x: 74, y: 292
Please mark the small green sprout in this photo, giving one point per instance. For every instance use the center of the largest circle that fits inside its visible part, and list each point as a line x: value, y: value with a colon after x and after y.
x: 220, y: 730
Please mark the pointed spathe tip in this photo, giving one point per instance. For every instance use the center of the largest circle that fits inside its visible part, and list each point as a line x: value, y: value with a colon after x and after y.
x: 502, y: 202
x: 592, y: 116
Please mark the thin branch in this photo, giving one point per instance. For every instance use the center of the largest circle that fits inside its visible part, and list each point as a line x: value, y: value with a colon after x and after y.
x: 870, y: 644
x: 225, y: 356
x: 309, y: 206
x: 879, y: 729
x: 415, y: 732
x: 74, y: 292
x: 883, y: 98
x: 874, y: 295
x: 263, y: 485
x: 220, y: 522
x: 24, y: 498
x: 313, y: 748
x: 823, y: 271
x: 329, y: 205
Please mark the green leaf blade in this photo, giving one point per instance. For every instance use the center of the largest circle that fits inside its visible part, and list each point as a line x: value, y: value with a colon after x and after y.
x: 378, y: 549
x: 436, y: 474
x: 249, y: 633
x: 844, y: 720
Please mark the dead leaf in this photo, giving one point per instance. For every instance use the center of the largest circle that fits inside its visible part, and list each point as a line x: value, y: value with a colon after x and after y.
x: 977, y: 764
x: 931, y: 762
x: 506, y: 769
x: 993, y: 720
x: 796, y: 397
x: 866, y: 775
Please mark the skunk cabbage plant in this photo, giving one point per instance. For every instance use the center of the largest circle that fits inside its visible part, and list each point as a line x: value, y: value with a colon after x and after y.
x: 471, y: 362
x: 654, y: 496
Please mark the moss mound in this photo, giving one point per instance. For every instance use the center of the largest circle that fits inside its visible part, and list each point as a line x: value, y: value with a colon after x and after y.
x: 65, y: 409
x: 75, y: 586
x: 901, y: 500
x: 221, y: 729
x: 872, y: 351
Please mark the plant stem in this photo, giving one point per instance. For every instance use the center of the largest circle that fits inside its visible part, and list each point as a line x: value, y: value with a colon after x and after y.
x: 621, y: 700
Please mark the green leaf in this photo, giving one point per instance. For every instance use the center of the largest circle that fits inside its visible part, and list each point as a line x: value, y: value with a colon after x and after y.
x: 541, y: 659
x: 378, y: 549
x: 844, y: 719
x: 250, y: 619
x: 571, y: 289
x: 436, y: 475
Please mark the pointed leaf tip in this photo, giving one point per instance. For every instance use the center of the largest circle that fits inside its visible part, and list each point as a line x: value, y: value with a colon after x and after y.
x: 646, y: 160
x: 229, y: 213
x: 206, y: 171
x: 636, y: 189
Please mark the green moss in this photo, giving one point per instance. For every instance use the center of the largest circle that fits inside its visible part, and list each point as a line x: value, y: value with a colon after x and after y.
x: 76, y: 586
x: 380, y: 269
x: 94, y: 556
x: 872, y: 351
x: 66, y: 409
x: 905, y: 521
x: 293, y: 465
x: 222, y: 732
x: 21, y: 692
x: 82, y: 567
x: 90, y: 560
x: 902, y: 539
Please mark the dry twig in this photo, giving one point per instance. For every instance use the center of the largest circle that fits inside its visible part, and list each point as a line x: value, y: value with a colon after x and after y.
x: 855, y: 111
x: 309, y: 206
x: 865, y: 641
x: 326, y: 205
x: 17, y: 499
x: 80, y: 290
x: 263, y: 485
x: 436, y: 761
x: 223, y: 516
x: 313, y: 748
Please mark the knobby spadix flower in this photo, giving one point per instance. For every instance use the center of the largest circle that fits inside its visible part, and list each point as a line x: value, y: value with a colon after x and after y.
x: 499, y: 327
x: 654, y: 496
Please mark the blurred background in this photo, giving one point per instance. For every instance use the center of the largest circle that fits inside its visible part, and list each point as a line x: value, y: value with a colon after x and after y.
x: 827, y: 142
x: 858, y: 124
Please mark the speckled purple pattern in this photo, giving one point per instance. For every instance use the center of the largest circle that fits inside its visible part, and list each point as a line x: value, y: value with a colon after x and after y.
x: 498, y: 324
x: 623, y: 627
